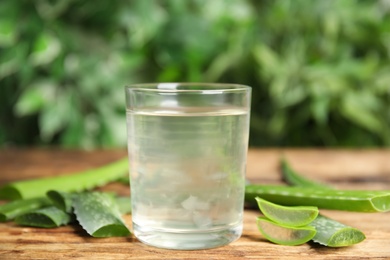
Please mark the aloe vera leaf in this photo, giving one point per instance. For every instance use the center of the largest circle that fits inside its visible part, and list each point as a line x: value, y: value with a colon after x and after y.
x: 329, y: 232
x: 293, y: 216
x: 284, y: 235
x: 334, y: 234
x: 16, y: 208
x: 47, y: 217
x: 294, y: 178
x: 98, y: 214
x: 348, y: 200
x: 62, y: 200
x: 78, y: 181
x: 124, y: 204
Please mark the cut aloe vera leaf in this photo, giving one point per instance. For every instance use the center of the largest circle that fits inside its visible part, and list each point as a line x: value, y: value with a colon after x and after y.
x: 124, y: 204
x: 62, y: 200
x: 285, y: 235
x: 78, y: 181
x: 294, y: 178
x: 48, y: 217
x: 99, y: 215
x: 348, y: 200
x: 16, y: 208
x: 334, y: 234
x: 329, y: 232
x: 293, y: 216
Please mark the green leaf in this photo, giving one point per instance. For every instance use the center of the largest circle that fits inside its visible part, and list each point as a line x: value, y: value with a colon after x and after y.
x: 267, y: 59
x: 285, y: 235
x: 348, y: 200
x: 114, y: 125
x: 55, y: 110
x: 320, y: 104
x: 78, y: 181
x: 329, y: 232
x: 46, y: 48
x: 362, y: 109
x: 62, y: 200
x: 218, y: 66
x: 16, y: 208
x: 98, y: 214
x: 334, y: 234
x: 124, y: 204
x: 293, y: 216
x: 53, y: 118
x: 48, y: 217
x: 140, y: 27
x: 31, y: 101
x: 293, y: 178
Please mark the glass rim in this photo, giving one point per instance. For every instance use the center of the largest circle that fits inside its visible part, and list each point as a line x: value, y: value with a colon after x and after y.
x: 173, y: 87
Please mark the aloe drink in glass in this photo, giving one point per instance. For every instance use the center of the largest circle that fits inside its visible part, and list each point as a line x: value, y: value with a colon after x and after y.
x: 187, y: 145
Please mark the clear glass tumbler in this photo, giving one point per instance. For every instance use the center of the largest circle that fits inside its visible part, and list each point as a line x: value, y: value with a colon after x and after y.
x: 187, y: 145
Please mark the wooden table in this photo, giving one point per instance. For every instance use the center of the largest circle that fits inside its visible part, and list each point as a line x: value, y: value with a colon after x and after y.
x: 360, y: 169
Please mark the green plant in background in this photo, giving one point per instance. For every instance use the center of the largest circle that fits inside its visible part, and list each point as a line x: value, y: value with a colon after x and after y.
x: 319, y: 69
x: 325, y: 68
x: 69, y: 73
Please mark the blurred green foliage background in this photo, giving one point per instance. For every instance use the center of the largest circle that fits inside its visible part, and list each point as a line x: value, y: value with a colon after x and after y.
x: 320, y: 70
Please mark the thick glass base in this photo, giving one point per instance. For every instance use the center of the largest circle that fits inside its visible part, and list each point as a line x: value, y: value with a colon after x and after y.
x: 187, y: 240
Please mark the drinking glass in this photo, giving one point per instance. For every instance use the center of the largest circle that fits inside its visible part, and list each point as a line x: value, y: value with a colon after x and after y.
x: 187, y: 146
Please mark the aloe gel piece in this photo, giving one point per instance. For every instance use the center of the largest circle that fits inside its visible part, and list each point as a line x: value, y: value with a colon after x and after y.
x: 285, y: 235
x: 293, y: 216
x: 99, y: 215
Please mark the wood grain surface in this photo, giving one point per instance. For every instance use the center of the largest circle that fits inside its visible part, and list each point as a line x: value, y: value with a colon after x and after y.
x: 351, y: 169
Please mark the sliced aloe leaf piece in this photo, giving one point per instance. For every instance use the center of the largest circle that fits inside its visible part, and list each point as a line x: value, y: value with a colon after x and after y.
x: 47, y: 217
x: 329, y: 231
x: 99, y: 215
x: 349, y: 200
x: 285, y: 235
x: 334, y: 234
x: 294, y: 216
x: 16, y: 208
x: 124, y: 204
x: 62, y: 200
x: 78, y: 181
